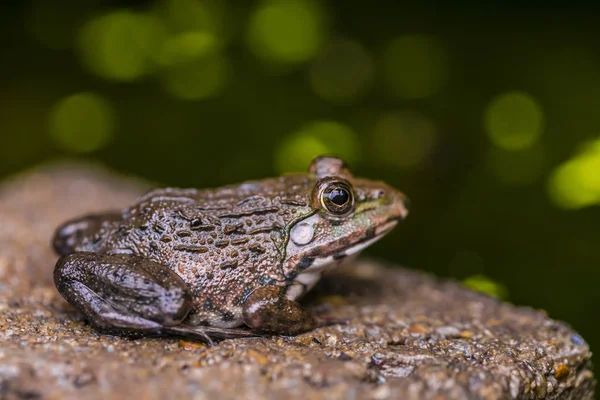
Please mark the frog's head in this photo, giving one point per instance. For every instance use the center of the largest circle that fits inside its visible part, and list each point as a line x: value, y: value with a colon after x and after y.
x: 348, y: 214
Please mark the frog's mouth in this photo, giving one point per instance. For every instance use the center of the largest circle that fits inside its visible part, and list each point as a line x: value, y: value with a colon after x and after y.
x: 340, y: 256
x: 330, y: 253
x: 308, y: 278
x: 310, y: 274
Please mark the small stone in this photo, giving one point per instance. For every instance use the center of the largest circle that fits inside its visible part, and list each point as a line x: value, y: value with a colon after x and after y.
x: 448, y: 331
x: 466, y: 334
x: 257, y: 357
x: 561, y: 372
x: 187, y: 345
x: 416, y: 329
x: 305, y: 339
x: 576, y: 339
x: 332, y: 341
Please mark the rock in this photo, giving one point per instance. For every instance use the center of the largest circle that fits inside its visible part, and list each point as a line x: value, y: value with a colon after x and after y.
x: 409, y: 335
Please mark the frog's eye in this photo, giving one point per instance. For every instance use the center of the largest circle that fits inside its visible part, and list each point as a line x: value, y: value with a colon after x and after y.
x: 338, y: 198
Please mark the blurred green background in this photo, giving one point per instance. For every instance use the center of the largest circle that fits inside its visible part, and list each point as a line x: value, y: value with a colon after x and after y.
x: 486, y: 116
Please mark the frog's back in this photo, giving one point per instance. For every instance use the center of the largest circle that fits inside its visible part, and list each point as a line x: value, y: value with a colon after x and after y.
x: 224, y: 243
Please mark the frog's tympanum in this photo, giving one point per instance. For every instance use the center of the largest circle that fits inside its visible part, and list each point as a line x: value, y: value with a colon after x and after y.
x: 201, y: 263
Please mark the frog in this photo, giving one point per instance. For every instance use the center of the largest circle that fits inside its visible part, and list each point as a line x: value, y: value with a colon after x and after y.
x: 229, y: 262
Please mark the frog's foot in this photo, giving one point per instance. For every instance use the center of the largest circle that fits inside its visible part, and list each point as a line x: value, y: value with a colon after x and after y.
x: 267, y: 309
x: 129, y: 295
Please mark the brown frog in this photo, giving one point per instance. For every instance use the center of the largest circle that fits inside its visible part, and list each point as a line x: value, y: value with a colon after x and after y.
x: 201, y: 263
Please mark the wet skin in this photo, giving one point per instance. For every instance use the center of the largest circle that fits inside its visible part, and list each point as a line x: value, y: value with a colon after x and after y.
x: 202, y: 263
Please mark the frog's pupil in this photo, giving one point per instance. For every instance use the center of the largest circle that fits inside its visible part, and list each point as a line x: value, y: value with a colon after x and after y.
x: 339, y: 196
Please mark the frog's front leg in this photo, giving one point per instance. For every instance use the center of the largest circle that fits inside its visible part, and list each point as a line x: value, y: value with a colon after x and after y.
x: 267, y: 309
x: 130, y: 295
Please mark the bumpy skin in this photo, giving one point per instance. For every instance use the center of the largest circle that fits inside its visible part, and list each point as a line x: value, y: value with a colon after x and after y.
x: 199, y: 263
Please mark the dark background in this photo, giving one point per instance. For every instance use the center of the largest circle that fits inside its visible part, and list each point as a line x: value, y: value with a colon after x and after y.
x: 487, y: 116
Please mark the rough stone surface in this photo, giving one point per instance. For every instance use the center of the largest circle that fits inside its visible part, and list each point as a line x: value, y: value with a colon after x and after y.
x: 409, y: 335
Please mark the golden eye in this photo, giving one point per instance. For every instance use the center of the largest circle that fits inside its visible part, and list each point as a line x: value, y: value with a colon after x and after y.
x: 337, y: 198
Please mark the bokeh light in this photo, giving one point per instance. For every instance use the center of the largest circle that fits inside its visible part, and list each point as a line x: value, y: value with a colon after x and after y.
x: 414, y: 66
x: 576, y: 183
x: 483, y: 284
x: 185, y: 47
x: 82, y: 123
x: 287, y: 31
x: 404, y: 139
x: 194, y: 66
x: 181, y: 16
x: 342, y: 72
x: 296, y: 151
x: 514, y: 120
x: 521, y: 167
x: 198, y: 78
x: 120, y: 45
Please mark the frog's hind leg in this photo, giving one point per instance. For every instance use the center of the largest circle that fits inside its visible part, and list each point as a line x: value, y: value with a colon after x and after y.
x: 130, y: 295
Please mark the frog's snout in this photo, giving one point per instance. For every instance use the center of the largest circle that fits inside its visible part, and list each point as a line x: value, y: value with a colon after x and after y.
x: 403, y: 203
x: 398, y: 204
